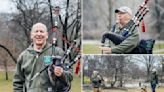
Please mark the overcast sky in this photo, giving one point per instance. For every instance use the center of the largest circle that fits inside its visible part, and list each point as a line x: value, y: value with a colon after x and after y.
x: 6, y: 6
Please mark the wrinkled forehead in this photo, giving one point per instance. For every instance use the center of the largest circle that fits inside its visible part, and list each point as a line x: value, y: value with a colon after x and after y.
x: 39, y: 26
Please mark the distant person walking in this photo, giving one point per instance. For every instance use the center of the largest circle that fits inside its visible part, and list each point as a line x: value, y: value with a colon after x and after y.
x: 154, y: 80
x: 96, y: 80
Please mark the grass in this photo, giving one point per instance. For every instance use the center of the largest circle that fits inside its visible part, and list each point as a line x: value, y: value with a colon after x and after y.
x: 6, y: 85
x: 157, y: 46
x: 94, y: 48
x: 160, y: 89
x: 91, y: 49
x: 87, y: 80
x: 76, y: 84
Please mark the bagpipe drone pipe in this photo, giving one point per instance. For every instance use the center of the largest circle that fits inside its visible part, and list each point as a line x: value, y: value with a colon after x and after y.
x: 60, y: 61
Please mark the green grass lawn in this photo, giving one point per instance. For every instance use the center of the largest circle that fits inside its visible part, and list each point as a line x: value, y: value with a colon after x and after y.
x: 91, y: 49
x: 160, y: 89
x: 94, y: 48
x: 76, y: 84
x: 6, y: 85
x: 157, y: 46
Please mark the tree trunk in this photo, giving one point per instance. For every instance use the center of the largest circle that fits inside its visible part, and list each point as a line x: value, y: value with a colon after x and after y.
x: 6, y: 71
x: 121, y: 77
x: 110, y: 13
x: 115, y: 79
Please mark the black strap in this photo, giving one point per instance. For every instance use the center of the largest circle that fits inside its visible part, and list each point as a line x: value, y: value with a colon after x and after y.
x: 113, y: 28
x: 125, y: 32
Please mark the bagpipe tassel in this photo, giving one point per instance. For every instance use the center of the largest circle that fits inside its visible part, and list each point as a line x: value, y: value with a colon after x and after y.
x: 77, y: 67
x: 143, y: 26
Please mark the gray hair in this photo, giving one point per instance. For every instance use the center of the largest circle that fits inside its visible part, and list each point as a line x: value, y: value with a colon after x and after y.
x: 39, y: 24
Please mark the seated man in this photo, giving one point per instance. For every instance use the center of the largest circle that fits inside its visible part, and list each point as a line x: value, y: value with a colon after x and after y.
x: 125, y: 36
x: 124, y: 15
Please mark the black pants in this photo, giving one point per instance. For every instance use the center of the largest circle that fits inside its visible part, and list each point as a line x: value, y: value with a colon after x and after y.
x: 144, y: 46
x: 116, y: 39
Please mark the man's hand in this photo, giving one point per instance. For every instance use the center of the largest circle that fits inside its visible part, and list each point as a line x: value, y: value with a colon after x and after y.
x: 106, y: 50
x: 58, y: 71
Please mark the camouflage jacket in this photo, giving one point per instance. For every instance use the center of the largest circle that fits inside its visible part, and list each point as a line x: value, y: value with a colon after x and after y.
x: 96, y: 81
x: 154, y: 78
x: 31, y: 62
x: 129, y: 43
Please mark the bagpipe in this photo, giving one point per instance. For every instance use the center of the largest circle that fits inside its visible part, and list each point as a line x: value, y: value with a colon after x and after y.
x: 54, y: 25
x: 60, y: 60
x: 144, y: 46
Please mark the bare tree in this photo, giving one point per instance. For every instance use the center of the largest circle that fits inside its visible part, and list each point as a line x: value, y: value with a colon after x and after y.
x: 156, y: 20
x: 162, y: 63
x: 7, y: 56
x: 33, y: 11
x: 70, y: 25
x: 6, y: 49
x: 148, y: 61
x: 29, y: 13
x: 112, y: 67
